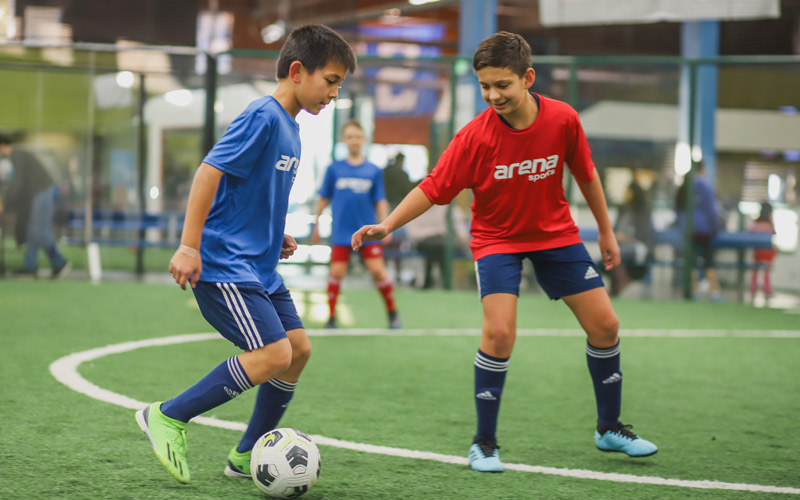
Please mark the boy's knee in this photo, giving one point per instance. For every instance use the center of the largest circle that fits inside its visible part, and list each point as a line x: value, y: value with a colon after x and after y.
x: 301, y: 351
x: 269, y: 363
x: 610, y: 325
x: 605, y: 332
x: 501, y: 338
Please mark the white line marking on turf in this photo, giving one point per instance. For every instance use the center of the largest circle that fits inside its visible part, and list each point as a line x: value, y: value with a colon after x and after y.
x: 65, y: 370
x: 560, y: 332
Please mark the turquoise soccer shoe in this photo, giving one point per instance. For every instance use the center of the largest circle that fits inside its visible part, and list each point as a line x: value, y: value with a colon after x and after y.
x: 620, y: 438
x: 483, y: 456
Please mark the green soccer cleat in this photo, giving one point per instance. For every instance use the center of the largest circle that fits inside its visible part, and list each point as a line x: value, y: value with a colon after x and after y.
x: 168, y: 438
x: 238, y: 464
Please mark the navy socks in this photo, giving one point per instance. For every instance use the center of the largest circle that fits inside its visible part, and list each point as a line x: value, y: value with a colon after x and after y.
x: 271, y: 403
x: 607, y: 380
x: 224, y: 383
x: 490, y: 376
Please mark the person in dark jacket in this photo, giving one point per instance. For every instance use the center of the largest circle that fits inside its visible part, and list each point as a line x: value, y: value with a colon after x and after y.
x: 705, y: 228
x: 31, y: 194
x: 636, y: 237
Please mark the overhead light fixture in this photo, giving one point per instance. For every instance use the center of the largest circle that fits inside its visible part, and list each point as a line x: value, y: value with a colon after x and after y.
x: 420, y: 2
x: 343, y: 103
x: 125, y: 79
x: 273, y: 32
x: 181, y: 97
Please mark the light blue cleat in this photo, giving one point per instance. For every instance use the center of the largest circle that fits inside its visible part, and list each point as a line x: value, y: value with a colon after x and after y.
x: 620, y: 438
x: 483, y: 456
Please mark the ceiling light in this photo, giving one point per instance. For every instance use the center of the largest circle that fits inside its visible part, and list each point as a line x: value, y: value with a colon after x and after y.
x: 273, y: 32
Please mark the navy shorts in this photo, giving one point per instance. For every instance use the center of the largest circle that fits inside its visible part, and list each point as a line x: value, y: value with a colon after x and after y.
x: 560, y: 271
x: 246, y: 314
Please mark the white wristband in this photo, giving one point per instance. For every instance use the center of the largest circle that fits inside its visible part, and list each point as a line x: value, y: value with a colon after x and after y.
x: 189, y: 251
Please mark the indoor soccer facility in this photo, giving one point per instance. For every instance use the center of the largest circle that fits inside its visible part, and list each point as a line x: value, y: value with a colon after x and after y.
x: 116, y: 103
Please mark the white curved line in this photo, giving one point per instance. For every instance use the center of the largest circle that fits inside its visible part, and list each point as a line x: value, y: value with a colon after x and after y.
x: 65, y: 370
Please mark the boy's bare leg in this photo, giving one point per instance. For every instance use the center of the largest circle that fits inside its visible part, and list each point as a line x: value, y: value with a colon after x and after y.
x: 596, y: 315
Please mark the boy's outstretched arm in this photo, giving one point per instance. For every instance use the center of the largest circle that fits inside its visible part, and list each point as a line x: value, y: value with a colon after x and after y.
x: 185, y: 262
x: 413, y: 205
x: 321, y: 204
x: 382, y: 212
x: 596, y: 199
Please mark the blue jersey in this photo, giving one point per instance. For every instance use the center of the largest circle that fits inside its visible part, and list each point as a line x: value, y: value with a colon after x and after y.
x: 243, y: 234
x: 353, y: 190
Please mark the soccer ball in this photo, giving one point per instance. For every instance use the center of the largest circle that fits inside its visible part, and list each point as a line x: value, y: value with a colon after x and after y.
x: 285, y: 463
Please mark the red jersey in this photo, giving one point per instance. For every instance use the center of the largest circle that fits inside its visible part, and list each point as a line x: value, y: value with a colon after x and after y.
x: 516, y: 179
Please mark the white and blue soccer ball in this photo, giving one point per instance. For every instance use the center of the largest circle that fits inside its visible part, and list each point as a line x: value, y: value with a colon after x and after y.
x: 285, y: 463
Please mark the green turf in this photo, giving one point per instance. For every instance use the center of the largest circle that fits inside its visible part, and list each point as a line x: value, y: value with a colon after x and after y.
x: 721, y: 409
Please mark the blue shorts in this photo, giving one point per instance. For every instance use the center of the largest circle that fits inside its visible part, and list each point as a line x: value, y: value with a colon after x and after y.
x: 246, y: 314
x: 560, y: 271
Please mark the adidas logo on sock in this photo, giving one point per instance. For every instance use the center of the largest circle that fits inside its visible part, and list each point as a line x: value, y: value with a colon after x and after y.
x: 486, y: 395
x: 230, y: 392
x: 613, y: 379
x: 590, y: 273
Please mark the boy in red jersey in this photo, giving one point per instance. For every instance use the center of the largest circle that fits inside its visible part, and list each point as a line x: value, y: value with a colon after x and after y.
x: 512, y: 156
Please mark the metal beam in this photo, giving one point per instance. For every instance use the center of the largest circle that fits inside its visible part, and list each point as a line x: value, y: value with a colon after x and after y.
x: 371, y: 13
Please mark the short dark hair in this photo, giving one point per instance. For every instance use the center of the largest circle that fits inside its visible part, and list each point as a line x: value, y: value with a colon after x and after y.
x: 503, y: 50
x: 5, y: 140
x: 315, y: 45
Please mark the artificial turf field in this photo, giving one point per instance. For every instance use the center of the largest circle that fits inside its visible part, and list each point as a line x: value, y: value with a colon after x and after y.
x: 722, y: 404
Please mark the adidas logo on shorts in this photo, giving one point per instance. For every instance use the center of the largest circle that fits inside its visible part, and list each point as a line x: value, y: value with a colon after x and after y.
x: 590, y: 273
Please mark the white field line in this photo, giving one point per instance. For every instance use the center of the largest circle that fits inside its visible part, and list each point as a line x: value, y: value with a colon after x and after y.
x: 560, y: 332
x: 65, y: 370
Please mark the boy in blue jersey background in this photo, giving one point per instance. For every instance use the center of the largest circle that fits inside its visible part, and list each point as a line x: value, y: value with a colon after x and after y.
x: 230, y: 246
x: 354, y: 189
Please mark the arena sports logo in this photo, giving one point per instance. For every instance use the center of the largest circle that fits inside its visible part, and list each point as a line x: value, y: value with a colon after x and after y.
x: 536, y: 169
x: 287, y: 163
x: 354, y: 184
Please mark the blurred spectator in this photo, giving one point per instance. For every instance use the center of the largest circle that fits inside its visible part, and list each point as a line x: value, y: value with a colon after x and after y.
x: 396, y: 181
x: 397, y: 185
x: 635, y: 234
x: 763, y: 257
x: 706, y: 226
x: 32, y: 194
x: 428, y: 235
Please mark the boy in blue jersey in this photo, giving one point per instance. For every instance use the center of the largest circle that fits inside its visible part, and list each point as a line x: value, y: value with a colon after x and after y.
x: 354, y: 189
x: 237, y: 208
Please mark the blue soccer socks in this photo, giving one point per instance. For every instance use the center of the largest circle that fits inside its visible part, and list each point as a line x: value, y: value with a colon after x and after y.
x: 607, y: 380
x: 222, y: 384
x: 490, y: 376
x: 271, y: 403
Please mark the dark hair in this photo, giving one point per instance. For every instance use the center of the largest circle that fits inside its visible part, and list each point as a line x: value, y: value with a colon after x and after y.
x: 5, y: 140
x: 315, y: 45
x: 638, y: 201
x: 766, y: 212
x: 503, y: 50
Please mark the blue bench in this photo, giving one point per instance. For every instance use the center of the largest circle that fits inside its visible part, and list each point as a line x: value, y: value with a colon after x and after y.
x: 125, y: 228
x: 740, y: 240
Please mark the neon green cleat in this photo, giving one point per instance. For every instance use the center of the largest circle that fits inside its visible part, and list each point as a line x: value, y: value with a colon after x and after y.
x: 238, y: 464
x: 168, y: 438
